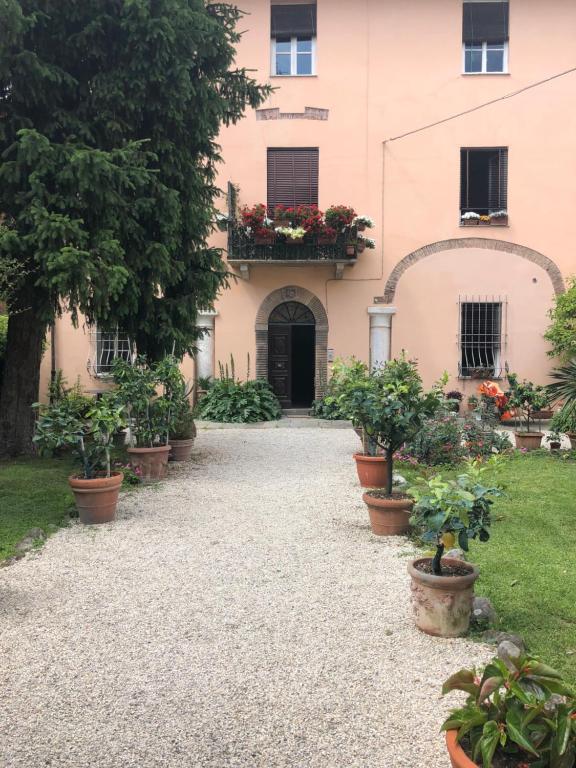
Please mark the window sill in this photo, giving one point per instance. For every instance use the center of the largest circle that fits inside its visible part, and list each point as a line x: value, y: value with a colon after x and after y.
x: 483, y: 226
x: 485, y: 74
x: 288, y: 77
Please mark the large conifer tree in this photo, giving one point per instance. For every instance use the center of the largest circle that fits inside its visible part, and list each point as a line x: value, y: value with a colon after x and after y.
x: 109, y: 115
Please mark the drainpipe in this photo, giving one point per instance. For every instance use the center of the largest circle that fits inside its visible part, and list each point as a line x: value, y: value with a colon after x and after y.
x: 380, y: 334
x: 52, y: 359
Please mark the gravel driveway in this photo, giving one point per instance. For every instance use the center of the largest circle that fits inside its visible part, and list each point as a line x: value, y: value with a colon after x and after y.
x: 241, y: 614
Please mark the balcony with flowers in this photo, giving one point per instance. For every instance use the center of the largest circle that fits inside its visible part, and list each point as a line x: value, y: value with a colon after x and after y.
x: 299, y: 235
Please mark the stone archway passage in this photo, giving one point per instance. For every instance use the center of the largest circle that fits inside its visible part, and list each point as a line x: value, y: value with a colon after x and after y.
x: 542, y: 261
x: 293, y: 293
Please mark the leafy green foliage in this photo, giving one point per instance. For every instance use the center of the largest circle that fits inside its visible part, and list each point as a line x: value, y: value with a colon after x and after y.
x: 390, y: 404
x: 510, y: 711
x: 154, y: 396
x: 110, y: 116
x: 88, y: 431
x: 460, y: 507
x: 346, y: 373
x: 239, y: 402
x: 3, y: 335
x: 563, y: 389
x: 438, y: 441
x: 527, y: 397
x: 562, y: 331
x: 563, y: 420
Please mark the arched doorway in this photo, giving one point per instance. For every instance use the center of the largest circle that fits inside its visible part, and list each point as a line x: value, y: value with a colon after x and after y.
x: 291, y: 354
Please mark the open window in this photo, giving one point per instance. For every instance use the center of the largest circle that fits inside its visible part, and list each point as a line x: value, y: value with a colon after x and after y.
x: 485, y: 35
x: 293, y: 33
x: 484, y: 185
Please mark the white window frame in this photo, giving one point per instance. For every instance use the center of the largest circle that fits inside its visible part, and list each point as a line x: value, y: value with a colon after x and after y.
x: 484, y: 70
x: 293, y: 58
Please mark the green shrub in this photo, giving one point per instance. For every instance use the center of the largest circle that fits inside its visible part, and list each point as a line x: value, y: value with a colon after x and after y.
x: 3, y: 336
x: 481, y: 440
x: 439, y: 441
x: 239, y: 402
x: 346, y: 373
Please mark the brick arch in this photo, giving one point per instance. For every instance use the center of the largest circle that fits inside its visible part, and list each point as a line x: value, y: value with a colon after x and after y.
x: 273, y: 300
x: 473, y: 242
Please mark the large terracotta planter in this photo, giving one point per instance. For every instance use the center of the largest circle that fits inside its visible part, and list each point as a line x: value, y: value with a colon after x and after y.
x: 181, y: 449
x: 151, y: 463
x: 372, y: 470
x: 96, y: 499
x: 389, y: 516
x: 442, y: 604
x: 458, y: 757
x: 530, y: 441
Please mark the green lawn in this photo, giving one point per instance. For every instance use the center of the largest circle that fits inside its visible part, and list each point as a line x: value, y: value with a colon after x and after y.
x: 528, y: 568
x: 33, y: 493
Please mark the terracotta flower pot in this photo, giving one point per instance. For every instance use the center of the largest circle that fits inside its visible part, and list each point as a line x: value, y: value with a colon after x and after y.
x: 388, y: 517
x: 555, y: 445
x: 265, y: 239
x: 530, y: 441
x: 442, y: 604
x: 458, y: 757
x: 472, y: 406
x: 499, y: 221
x: 96, y: 499
x: 152, y: 463
x: 181, y: 449
x: 372, y: 470
x: 469, y: 222
x: 360, y: 227
x: 326, y: 239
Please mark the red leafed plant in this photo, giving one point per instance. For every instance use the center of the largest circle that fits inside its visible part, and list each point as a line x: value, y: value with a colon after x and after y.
x: 339, y: 216
x: 253, y: 217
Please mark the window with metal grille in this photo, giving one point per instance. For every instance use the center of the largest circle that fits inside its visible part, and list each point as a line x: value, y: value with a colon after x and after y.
x: 293, y: 32
x: 483, y: 180
x: 485, y: 33
x: 107, y: 346
x: 480, y: 336
x: 292, y: 177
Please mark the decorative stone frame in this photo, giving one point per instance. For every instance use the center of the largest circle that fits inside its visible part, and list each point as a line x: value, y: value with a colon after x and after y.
x: 535, y: 257
x: 273, y: 300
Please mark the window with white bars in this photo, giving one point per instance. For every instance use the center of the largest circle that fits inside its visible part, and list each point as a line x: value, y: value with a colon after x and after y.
x: 106, y: 347
x: 481, y: 334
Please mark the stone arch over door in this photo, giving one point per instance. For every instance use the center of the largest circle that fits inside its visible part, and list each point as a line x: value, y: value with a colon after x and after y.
x: 303, y: 296
x: 550, y: 267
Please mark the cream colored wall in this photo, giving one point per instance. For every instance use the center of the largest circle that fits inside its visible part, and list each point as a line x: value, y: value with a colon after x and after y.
x: 384, y: 68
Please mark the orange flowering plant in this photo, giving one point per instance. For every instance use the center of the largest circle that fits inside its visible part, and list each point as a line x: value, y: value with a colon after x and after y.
x: 492, y: 392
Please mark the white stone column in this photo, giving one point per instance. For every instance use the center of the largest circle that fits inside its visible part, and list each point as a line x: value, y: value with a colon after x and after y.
x: 380, y: 334
x: 205, y: 355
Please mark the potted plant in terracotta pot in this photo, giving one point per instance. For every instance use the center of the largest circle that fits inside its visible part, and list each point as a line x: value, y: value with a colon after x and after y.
x: 150, y: 394
x: 472, y: 402
x: 564, y: 422
x: 453, y: 400
x: 183, y: 433
x: 499, y: 218
x: 563, y: 392
x: 527, y: 398
x: 291, y: 235
x: 390, y: 405
x: 448, y: 512
x: 518, y: 713
x: 89, y: 433
x: 362, y: 223
x: 554, y: 440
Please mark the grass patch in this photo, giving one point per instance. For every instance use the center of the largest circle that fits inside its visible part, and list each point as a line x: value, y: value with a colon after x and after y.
x: 526, y: 568
x: 33, y: 493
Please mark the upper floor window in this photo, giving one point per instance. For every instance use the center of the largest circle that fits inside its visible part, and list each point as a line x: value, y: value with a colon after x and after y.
x: 292, y: 177
x: 485, y: 32
x: 293, y: 33
x: 484, y: 182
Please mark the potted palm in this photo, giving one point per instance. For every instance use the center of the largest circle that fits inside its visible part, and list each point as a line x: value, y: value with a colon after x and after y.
x: 563, y: 390
x: 527, y: 398
x: 150, y: 394
x: 448, y: 511
x: 390, y: 405
x: 89, y: 433
x: 183, y: 434
x: 518, y: 713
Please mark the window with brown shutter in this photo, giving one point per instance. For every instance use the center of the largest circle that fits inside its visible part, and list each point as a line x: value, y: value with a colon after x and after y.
x: 292, y: 177
x: 485, y: 33
x: 483, y: 180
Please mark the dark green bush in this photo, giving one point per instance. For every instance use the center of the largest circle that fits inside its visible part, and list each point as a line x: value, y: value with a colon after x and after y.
x: 3, y: 335
x: 239, y: 402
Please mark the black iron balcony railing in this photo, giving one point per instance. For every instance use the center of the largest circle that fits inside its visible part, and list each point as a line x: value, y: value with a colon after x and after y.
x: 242, y: 247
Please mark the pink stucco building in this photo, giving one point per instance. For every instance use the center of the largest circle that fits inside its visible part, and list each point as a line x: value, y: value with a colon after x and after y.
x: 416, y: 113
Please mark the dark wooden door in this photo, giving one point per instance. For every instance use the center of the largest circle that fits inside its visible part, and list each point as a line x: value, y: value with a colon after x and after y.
x: 279, y: 357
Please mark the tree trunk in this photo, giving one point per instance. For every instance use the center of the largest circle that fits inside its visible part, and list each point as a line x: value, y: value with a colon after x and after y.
x: 20, y: 383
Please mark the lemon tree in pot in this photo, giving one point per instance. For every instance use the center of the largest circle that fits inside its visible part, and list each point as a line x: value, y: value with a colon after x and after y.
x: 151, y: 394
x: 446, y: 512
x: 89, y: 432
x: 390, y: 405
x: 528, y: 399
x: 519, y: 714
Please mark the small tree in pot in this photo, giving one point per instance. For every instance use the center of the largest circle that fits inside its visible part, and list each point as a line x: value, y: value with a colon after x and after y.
x: 89, y: 433
x: 446, y: 512
x: 390, y: 405
x: 528, y: 399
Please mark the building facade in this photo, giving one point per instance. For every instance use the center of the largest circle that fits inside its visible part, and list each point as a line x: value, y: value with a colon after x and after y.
x: 423, y: 115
